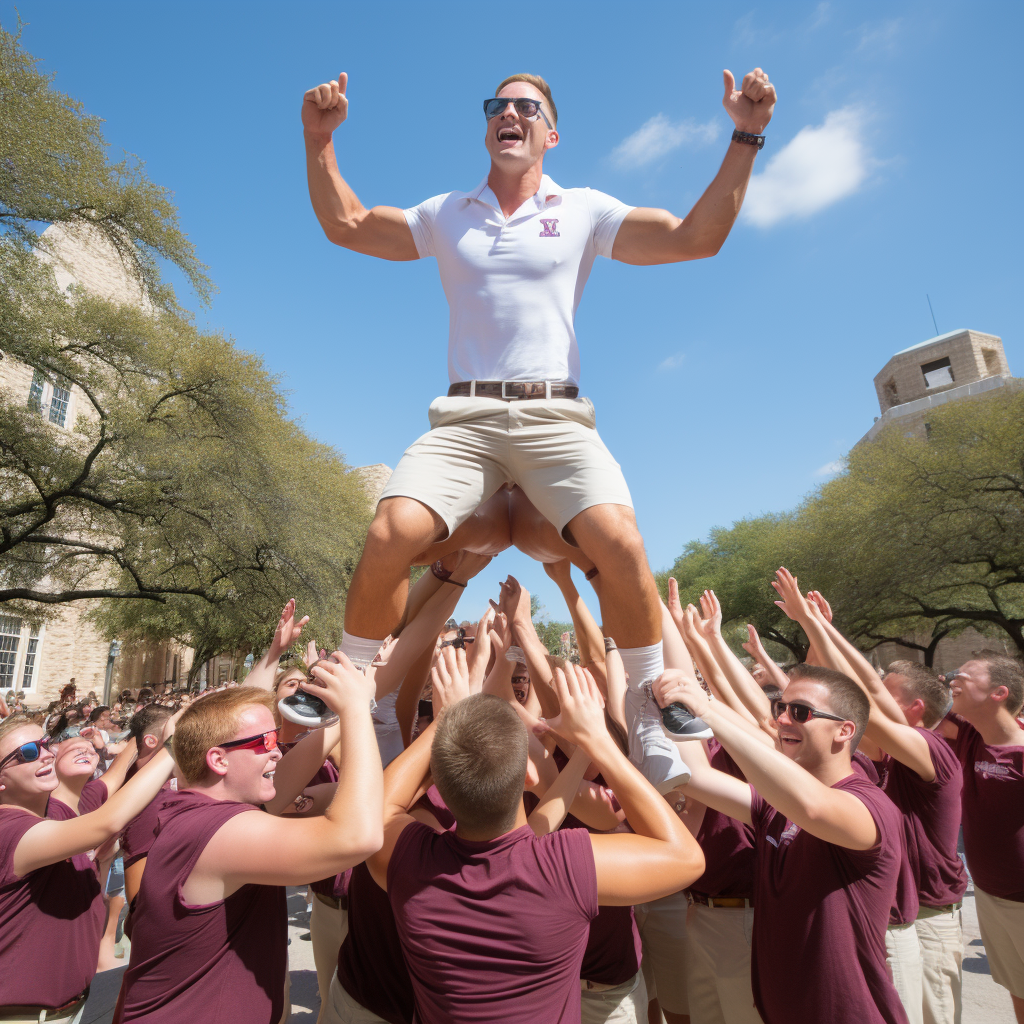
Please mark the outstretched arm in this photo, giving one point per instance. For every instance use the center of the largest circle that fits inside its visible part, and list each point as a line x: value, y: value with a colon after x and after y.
x: 382, y: 231
x: 648, y: 236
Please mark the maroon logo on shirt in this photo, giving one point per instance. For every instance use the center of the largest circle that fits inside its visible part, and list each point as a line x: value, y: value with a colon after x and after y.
x: 991, y: 770
x: 549, y: 228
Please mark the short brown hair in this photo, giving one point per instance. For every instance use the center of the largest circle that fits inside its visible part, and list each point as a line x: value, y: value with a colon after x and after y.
x: 209, y: 722
x: 845, y: 697
x: 12, y: 722
x: 1004, y: 671
x: 149, y: 721
x: 538, y: 83
x: 919, y: 682
x: 478, y: 762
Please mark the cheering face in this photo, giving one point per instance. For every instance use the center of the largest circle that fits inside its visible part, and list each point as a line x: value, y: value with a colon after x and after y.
x: 513, y: 142
x: 972, y: 689
x: 817, y: 739
x: 521, y: 684
x: 23, y: 782
x: 251, y: 772
x: 75, y: 758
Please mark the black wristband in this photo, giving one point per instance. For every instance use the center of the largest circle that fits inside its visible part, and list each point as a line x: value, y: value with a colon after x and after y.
x: 748, y: 138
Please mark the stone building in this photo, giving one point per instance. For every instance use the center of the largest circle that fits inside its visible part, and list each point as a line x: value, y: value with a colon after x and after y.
x: 961, y: 365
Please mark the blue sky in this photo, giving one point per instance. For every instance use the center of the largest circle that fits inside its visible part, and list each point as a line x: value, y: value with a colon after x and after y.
x: 726, y: 388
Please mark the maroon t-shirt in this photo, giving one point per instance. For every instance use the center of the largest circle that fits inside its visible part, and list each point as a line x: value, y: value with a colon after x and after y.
x: 728, y: 844
x: 51, y: 919
x: 863, y: 765
x: 222, y: 961
x: 494, y: 930
x: 94, y: 796
x: 931, y: 821
x: 139, y: 833
x: 821, y: 916
x: 993, y: 813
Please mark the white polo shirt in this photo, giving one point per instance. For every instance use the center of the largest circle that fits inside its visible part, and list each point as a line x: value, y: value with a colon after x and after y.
x: 513, y: 284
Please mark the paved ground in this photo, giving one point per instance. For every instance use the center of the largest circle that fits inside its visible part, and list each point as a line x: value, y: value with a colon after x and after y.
x: 984, y: 1001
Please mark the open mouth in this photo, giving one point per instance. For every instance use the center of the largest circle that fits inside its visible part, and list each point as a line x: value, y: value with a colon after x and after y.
x: 510, y: 134
x: 82, y: 759
x: 43, y: 772
x: 269, y: 774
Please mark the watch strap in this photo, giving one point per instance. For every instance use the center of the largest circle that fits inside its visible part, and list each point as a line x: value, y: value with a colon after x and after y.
x: 748, y: 138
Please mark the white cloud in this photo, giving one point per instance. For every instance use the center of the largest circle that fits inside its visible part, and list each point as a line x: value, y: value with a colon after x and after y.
x: 815, y: 169
x: 672, y: 362
x: 830, y: 468
x: 659, y: 136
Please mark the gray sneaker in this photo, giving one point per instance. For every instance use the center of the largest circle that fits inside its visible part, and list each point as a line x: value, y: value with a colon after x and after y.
x: 649, y: 748
x: 682, y: 724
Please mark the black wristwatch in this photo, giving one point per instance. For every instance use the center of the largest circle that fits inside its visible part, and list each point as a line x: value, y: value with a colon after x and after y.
x: 748, y: 138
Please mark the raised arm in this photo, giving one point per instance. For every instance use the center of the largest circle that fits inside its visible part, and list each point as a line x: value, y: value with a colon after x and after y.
x: 288, y: 631
x: 756, y: 650
x: 382, y: 231
x: 649, y: 236
x: 589, y: 637
x: 830, y: 814
x: 661, y: 857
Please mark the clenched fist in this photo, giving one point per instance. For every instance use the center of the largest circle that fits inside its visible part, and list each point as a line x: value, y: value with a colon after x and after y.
x: 751, y: 105
x: 325, y: 107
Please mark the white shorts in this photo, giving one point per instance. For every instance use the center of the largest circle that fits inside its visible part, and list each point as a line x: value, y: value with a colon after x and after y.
x: 621, y: 1004
x: 549, y: 447
x: 1002, y: 931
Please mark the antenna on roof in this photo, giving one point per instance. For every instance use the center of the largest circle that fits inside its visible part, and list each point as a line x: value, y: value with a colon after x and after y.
x: 932, y: 311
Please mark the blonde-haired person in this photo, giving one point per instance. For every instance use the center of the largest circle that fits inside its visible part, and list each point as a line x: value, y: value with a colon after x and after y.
x: 212, y: 896
x: 51, y: 905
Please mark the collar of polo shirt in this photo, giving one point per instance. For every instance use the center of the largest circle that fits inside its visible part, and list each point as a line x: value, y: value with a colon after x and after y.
x: 547, y: 195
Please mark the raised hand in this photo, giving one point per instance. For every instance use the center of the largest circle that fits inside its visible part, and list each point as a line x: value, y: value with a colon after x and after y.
x: 480, y: 652
x: 819, y: 602
x: 514, y: 601
x: 752, y: 104
x: 753, y: 646
x: 673, y: 686
x: 324, y: 107
x: 793, y: 603
x: 450, y: 678
x: 287, y: 632
x: 560, y: 572
x: 339, y: 684
x: 711, y: 610
x: 580, y: 719
x: 675, y: 607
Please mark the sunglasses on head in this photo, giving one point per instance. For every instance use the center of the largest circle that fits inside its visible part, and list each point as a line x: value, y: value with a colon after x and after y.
x: 801, y: 713
x: 459, y: 641
x: 264, y: 743
x: 525, y: 107
x: 27, y: 752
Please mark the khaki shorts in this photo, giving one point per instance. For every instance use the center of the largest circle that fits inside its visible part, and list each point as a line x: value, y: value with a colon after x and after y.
x: 341, y: 1008
x: 1002, y: 931
x: 662, y: 927
x: 549, y: 447
x: 718, y: 965
x: 620, y: 1004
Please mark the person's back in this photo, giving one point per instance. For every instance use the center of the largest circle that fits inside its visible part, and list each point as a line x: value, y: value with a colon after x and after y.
x: 494, y: 929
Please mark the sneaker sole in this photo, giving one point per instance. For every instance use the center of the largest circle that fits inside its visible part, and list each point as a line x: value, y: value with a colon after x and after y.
x: 679, y: 737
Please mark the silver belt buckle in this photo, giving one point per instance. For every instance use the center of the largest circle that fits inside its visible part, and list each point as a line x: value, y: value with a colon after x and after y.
x: 507, y: 398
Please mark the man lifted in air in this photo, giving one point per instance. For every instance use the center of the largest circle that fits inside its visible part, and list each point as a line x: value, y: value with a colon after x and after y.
x: 514, y: 254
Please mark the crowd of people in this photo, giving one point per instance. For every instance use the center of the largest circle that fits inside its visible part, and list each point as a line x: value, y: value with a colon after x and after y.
x: 482, y: 840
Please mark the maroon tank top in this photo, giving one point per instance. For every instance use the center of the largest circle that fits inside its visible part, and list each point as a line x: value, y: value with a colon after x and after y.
x: 222, y: 961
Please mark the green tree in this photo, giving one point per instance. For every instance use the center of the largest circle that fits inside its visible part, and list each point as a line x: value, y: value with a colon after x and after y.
x: 182, y: 494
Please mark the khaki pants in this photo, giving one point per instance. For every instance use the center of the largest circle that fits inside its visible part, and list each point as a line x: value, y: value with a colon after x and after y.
x: 718, y: 965
x: 621, y: 1004
x: 662, y: 927
x: 903, y: 956
x: 1002, y: 931
x: 942, y: 955
x: 341, y: 1008
x: 327, y: 930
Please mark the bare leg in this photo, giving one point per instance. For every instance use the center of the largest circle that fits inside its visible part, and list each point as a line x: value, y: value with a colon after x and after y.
x: 485, y: 532
x: 1018, y: 1008
x: 107, y: 961
x: 536, y: 536
x: 631, y: 608
x: 401, y: 529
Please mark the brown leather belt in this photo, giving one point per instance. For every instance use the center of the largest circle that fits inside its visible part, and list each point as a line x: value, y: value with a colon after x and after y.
x: 731, y: 902
x: 9, y: 1011
x: 512, y: 390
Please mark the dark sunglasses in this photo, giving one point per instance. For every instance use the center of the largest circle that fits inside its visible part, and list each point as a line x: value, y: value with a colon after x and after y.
x: 459, y: 641
x: 801, y: 713
x: 27, y: 752
x: 524, y: 107
x: 264, y: 743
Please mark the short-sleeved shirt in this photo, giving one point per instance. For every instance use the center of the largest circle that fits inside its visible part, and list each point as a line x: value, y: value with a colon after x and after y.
x: 140, y: 832
x: 727, y: 844
x: 514, y: 284
x: 931, y: 821
x: 223, y: 961
x: 494, y: 930
x: 993, y: 813
x: 93, y: 796
x: 818, y: 949
x: 51, y: 919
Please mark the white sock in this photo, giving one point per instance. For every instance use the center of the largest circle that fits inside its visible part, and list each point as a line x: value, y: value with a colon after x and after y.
x: 358, y: 649
x: 643, y: 664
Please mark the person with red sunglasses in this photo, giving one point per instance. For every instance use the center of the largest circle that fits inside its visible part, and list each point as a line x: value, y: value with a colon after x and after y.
x: 828, y: 843
x: 51, y: 900
x: 210, y: 934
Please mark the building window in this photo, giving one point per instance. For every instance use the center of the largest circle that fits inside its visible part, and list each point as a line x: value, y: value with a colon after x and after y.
x: 59, y: 404
x: 892, y: 395
x: 991, y: 358
x: 10, y: 637
x: 937, y: 373
x: 28, y: 676
x: 35, y: 392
